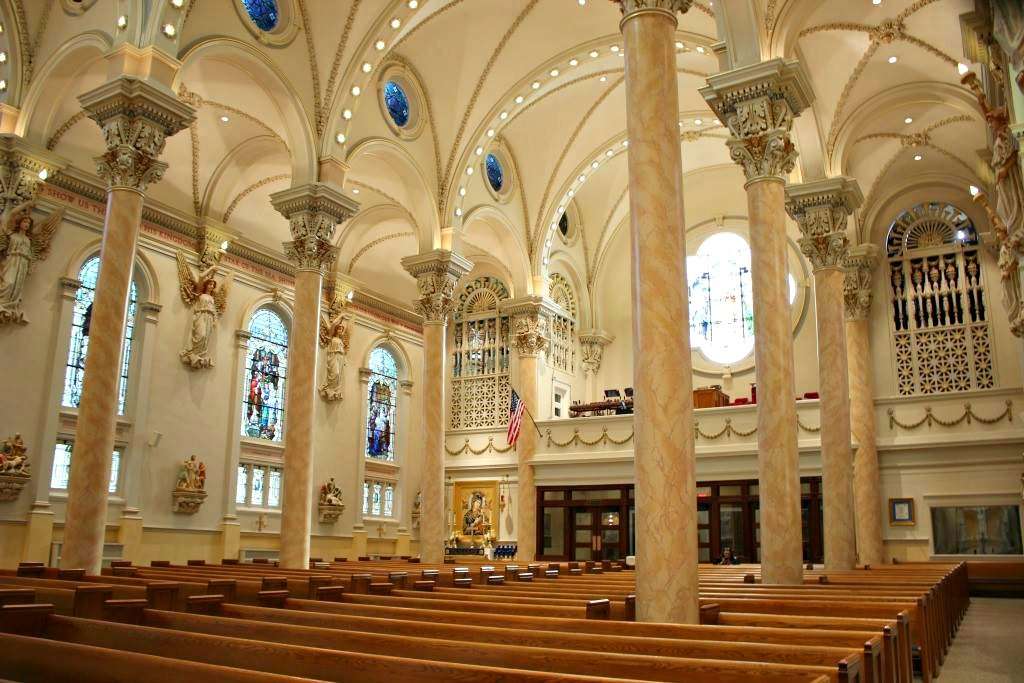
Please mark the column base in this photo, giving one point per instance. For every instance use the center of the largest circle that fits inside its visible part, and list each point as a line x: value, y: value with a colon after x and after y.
x: 359, y: 535
x: 230, y: 537
x: 38, y: 534
x: 129, y: 535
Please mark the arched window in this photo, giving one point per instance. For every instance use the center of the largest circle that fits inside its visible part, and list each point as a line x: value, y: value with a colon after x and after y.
x: 562, y: 354
x: 80, y: 323
x: 480, y: 357
x: 266, y: 369
x: 495, y: 173
x: 722, y: 298
x: 382, y: 403
x: 262, y: 12
x: 397, y: 103
x: 937, y: 297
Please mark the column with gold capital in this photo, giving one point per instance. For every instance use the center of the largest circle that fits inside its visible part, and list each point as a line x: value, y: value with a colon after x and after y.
x: 531, y: 320
x: 758, y: 104
x: 136, y: 117
x: 313, y: 212
x: 821, y: 209
x: 861, y: 262
x: 665, y: 457
x: 436, y: 272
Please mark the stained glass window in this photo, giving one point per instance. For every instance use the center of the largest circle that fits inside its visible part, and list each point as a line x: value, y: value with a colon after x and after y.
x: 495, y: 173
x: 721, y: 298
x: 397, y: 103
x: 262, y: 12
x: 242, y: 485
x: 265, y: 373
x: 378, y: 498
x: 60, y: 476
x: 81, y: 318
x: 382, y: 397
x: 258, y: 485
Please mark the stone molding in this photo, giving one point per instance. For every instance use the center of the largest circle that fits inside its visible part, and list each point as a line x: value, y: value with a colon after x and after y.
x: 592, y: 345
x: 629, y: 7
x: 860, y: 263
x: 820, y: 209
x: 313, y: 211
x: 436, y: 272
x: 136, y: 117
x: 20, y: 169
x: 757, y: 104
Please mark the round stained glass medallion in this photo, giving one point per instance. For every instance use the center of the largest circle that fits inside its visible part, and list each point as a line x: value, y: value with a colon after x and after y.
x: 495, y: 173
x: 397, y: 103
x: 262, y: 12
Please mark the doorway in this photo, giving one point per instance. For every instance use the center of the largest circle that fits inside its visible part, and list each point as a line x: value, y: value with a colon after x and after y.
x: 597, y: 533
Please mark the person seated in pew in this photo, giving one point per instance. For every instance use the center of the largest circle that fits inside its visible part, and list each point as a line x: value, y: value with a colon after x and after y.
x: 728, y: 557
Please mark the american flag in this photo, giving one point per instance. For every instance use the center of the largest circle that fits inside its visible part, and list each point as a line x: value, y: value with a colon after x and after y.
x: 515, y: 418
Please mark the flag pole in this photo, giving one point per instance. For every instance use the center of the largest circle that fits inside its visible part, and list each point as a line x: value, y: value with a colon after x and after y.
x: 527, y: 409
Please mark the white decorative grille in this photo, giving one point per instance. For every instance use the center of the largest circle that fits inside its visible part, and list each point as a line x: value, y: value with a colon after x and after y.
x: 480, y: 357
x: 562, y: 348
x: 941, y: 337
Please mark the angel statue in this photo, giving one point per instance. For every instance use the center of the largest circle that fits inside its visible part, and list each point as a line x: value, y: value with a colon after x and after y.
x: 208, y: 300
x: 334, y: 336
x: 23, y: 243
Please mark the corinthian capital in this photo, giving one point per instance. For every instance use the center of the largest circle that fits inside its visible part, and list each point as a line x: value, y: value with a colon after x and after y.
x: 136, y: 118
x: 531, y: 316
x: 22, y: 169
x: 860, y: 263
x: 671, y: 6
x: 757, y: 104
x: 821, y: 208
x: 313, y: 211
x: 436, y: 272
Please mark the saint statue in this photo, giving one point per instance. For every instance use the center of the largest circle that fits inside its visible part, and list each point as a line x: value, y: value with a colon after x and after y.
x: 208, y: 301
x: 334, y: 338
x: 22, y: 245
x: 191, y: 475
x: 14, y: 456
x: 330, y: 494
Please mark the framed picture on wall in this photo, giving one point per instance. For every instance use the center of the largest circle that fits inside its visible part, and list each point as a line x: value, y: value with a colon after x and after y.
x: 901, y: 512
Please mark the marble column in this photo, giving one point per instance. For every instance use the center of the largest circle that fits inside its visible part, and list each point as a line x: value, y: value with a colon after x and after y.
x: 867, y: 489
x: 313, y: 211
x: 436, y: 273
x: 665, y: 457
x: 758, y: 104
x: 531, y: 325
x: 821, y: 208
x: 136, y: 117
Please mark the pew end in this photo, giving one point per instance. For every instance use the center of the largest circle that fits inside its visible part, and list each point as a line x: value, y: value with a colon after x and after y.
x: 162, y: 594
x: 128, y: 611
x: 25, y: 620
x: 599, y: 609
x: 17, y: 596
x: 709, y: 613
x: 204, y: 604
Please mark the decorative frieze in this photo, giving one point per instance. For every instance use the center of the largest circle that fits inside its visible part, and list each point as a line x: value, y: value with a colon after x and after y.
x: 820, y: 208
x: 860, y: 263
x: 136, y: 117
x: 757, y: 104
x: 22, y: 170
x: 313, y: 211
x: 436, y: 272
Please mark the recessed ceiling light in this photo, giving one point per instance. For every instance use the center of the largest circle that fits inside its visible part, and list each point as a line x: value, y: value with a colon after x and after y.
x: 893, y: 59
x: 479, y: 151
x: 178, y: 3
x: 582, y: 2
x: 469, y: 170
x: 876, y: 2
x: 603, y: 79
x: 573, y: 61
x: 535, y: 85
x: 553, y: 72
x: 396, y: 22
x: 413, y: 4
x: 962, y: 68
x: 918, y: 157
x: 122, y: 21
x: 609, y: 153
x: 356, y: 91
x: 490, y: 132
x: 340, y: 138
x: 615, y: 48
x: 582, y: 179
x: 679, y: 45
x: 224, y: 119
x: 367, y: 67
x: 594, y: 53
x: 169, y: 30
x: 355, y: 190
x: 3, y: 85
x: 380, y: 44
x: 3, y: 57
x: 503, y: 115
x: 625, y: 143
x: 44, y: 174
x: 462, y: 192
x: 974, y: 190
x: 698, y: 122
x: 458, y: 211
x: 700, y: 49
x: 347, y: 114
x: 909, y: 119
x: 593, y: 165
x: 519, y: 99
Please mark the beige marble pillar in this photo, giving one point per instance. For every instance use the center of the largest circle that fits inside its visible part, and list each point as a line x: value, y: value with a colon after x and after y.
x: 758, y: 103
x: 136, y: 117
x: 313, y: 211
x: 531, y: 324
x: 665, y: 458
x: 436, y: 273
x: 867, y: 492
x: 821, y: 209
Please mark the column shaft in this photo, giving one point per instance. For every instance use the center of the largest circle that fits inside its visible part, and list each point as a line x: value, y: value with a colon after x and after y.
x: 836, y: 454
x: 526, y: 447
x: 86, y: 514
x: 866, y: 485
x: 665, y: 460
x: 432, y: 509
x: 778, y: 458
x: 296, y: 501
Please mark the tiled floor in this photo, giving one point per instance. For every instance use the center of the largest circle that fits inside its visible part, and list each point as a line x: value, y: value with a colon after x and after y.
x: 989, y: 648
